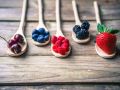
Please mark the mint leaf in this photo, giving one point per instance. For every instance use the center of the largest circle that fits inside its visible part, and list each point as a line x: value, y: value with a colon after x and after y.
x: 113, y: 31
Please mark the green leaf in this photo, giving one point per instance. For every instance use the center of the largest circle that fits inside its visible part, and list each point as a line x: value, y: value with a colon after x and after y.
x: 100, y: 28
x: 114, y: 31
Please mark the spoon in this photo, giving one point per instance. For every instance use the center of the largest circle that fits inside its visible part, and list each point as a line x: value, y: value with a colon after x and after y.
x: 60, y: 38
x: 20, y: 48
x: 40, y: 36
x: 79, y: 33
x: 99, y: 51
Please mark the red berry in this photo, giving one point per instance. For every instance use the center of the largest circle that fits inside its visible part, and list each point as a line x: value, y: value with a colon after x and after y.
x: 11, y: 42
x: 61, y: 38
x: 54, y: 39
x: 19, y: 38
x: 16, y: 48
x: 55, y: 48
x: 107, y: 42
x: 58, y: 43
x: 61, y: 51
x: 66, y: 41
x: 65, y: 47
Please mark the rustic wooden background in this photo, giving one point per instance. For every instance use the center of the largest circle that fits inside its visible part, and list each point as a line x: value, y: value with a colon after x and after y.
x: 82, y: 70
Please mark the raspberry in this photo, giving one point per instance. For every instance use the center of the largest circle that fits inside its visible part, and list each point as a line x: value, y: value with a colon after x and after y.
x: 54, y: 39
x: 66, y: 41
x: 58, y: 43
x: 55, y: 48
x: 61, y: 50
x: 61, y: 38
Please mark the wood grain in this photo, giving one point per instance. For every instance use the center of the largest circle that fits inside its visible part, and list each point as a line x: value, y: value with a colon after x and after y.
x: 63, y: 87
x: 110, y: 10
x: 50, y: 69
x: 38, y: 65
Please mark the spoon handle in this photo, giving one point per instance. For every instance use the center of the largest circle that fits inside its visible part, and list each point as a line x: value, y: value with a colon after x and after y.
x: 20, y: 29
x: 77, y: 19
x: 59, y: 32
x: 97, y: 13
x: 40, y: 10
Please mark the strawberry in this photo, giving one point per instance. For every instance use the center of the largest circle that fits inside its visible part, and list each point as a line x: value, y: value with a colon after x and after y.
x: 54, y: 39
x: 106, y: 40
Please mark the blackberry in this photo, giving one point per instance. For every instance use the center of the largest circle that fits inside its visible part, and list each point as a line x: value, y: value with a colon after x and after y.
x: 76, y: 28
x: 85, y: 25
x: 82, y: 34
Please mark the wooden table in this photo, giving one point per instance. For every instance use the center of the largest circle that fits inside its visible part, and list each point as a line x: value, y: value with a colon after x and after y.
x: 38, y: 69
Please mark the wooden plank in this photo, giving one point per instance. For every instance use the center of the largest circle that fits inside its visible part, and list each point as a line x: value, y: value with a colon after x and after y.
x: 7, y: 29
x: 63, y: 87
x: 31, y: 69
x: 110, y: 10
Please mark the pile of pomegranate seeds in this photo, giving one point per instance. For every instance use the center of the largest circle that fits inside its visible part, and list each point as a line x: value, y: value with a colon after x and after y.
x: 60, y: 45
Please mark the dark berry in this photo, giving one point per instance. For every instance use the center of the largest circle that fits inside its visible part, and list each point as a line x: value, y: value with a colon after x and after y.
x: 35, y: 32
x: 35, y: 36
x: 85, y: 25
x: 19, y: 38
x: 11, y: 42
x: 82, y: 34
x: 47, y: 33
x: 40, y: 39
x: 41, y: 30
x: 16, y: 48
x: 76, y: 28
x: 46, y: 37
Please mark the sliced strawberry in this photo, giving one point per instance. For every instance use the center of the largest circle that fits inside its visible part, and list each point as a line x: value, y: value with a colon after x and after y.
x: 54, y: 39
x: 61, y: 38
x: 107, y: 42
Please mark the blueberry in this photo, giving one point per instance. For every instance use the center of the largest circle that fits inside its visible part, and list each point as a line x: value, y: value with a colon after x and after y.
x: 35, y: 32
x: 76, y: 28
x: 82, y: 34
x: 34, y: 37
x: 85, y: 25
x: 41, y: 30
x: 47, y: 33
x: 40, y: 39
x: 46, y: 37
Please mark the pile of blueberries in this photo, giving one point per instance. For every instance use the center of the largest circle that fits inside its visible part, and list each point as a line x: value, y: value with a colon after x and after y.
x: 16, y: 43
x: 40, y: 35
x: 82, y: 31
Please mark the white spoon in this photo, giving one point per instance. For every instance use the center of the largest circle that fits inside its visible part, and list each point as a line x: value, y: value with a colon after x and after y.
x: 59, y: 32
x: 99, y: 51
x: 41, y: 24
x: 20, y: 31
x: 78, y: 22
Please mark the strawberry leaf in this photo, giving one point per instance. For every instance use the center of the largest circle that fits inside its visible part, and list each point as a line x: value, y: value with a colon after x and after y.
x: 113, y: 31
x: 100, y: 28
